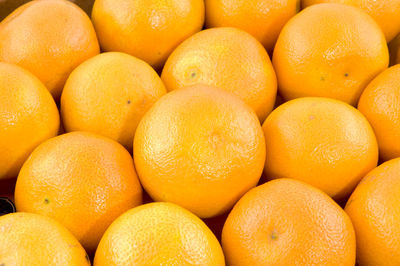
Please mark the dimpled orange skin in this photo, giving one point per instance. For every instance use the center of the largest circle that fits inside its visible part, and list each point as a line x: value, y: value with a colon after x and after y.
x: 323, y: 142
x: 32, y: 239
x: 374, y: 208
x: 49, y: 38
x: 334, y: 57
x: 147, y: 29
x: 380, y: 104
x: 29, y: 116
x: 108, y: 94
x: 83, y: 180
x: 159, y: 234
x: 385, y: 13
x: 263, y: 19
x: 201, y: 148
x: 287, y: 222
x: 229, y: 59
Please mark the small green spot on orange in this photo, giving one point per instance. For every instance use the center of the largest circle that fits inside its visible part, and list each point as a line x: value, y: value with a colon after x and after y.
x: 129, y: 101
x: 46, y: 201
x: 193, y: 75
x: 322, y: 78
x: 274, y: 235
x: 346, y: 74
x: 87, y: 257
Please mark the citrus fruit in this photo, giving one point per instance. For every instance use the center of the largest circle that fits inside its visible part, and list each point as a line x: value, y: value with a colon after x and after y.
x: 323, y: 142
x: 385, y: 13
x: 159, y: 234
x: 108, y: 94
x: 147, y: 29
x: 32, y: 239
x: 394, y: 50
x: 201, y: 148
x: 287, y: 222
x: 49, y: 38
x: 229, y: 59
x: 81, y: 179
x: 263, y: 19
x: 380, y: 105
x: 374, y: 208
x: 334, y: 57
x: 28, y: 117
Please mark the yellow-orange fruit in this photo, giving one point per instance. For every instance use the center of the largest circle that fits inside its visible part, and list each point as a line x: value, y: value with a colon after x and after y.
x: 28, y: 116
x: 226, y: 58
x: 108, y: 94
x: 147, y: 29
x: 82, y: 180
x: 380, y: 103
x: 323, y: 142
x: 374, y: 209
x: 32, y: 239
x: 329, y: 50
x: 385, y: 13
x: 159, y: 234
x: 263, y: 19
x: 201, y: 148
x: 49, y: 38
x: 287, y: 222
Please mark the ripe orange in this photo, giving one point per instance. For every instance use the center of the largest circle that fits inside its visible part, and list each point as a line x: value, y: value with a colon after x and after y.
x: 380, y: 103
x: 385, y: 13
x: 108, y: 94
x: 394, y: 50
x: 263, y: 19
x: 287, y: 222
x: 374, y: 208
x: 31, y: 239
x: 49, y: 38
x: 201, y: 148
x: 334, y: 57
x: 159, y: 234
x: 147, y: 29
x: 28, y: 117
x: 229, y: 59
x: 320, y: 141
x: 82, y: 180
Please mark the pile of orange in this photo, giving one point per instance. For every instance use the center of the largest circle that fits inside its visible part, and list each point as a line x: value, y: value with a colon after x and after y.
x: 200, y: 132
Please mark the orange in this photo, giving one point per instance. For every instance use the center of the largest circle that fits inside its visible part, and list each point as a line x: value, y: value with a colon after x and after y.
x: 229, y: 59
x: 384, y: 12
x: 380, y: 103
x: 28, y: 117
x: 323, y: 142
x: 32, y: 239
x: 147, y: 29
x: 329, y: 50
x: 374, y: 208
x: 82, y: 180
x: 287, y: 222
x: 159, y: 234
x: 394, y: 50
x: 263, y: 19
x: 50, y: 38
x: 201, y: 148
x: 108, y: 94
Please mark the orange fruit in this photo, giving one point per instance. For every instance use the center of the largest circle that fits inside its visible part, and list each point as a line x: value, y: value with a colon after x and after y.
x: 159, y: 234
x: 32, y: 239
x: 374, y: 208
x: 28, y: 117
x: 323, y: 142
x: 287, y: 222
x: 263, y: 19
x: 49, y: 38
x: 380, y: 105
x: 229, y: 59
x: 334, y: 57
x: 147, y: 29
x: 108, y: 94
x: 82, y: 180
x: 385, y: 13
x: 201, y: 148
